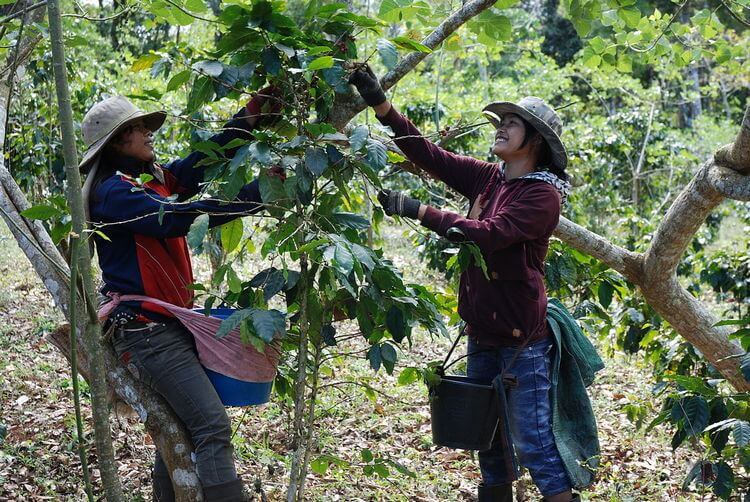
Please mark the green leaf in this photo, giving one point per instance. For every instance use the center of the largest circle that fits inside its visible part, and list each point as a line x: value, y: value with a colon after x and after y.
x: 394, y: 11
x: 733, y: 322
x: 233, y: 281
x: 268, y: 324
x: 364, y: 256
x: 201, y: 93
x: 196, y: 6
x: 745, y: 366
x: 340, y: 257
x: 210, y: 68
x: 396, y: 324
x: 350, y: 220
x: 694, y: 412
x: 377, y: 158
x: 366, y: 455
x: 598, y: 44
x: 741, y: 433
x: 316, y: 161
x: 389, y: 356
x: 144, y: 62
x: 604, y: 293
x: 402, y: 469
x: 388, y: 53
x: 724, y: 482
x: 231, y: 235
x: 631, y: 15
x: 591, y: 59
x: 260, y: 151
x: 197, y: 232
x: 411, y: 45
x: 358, y: 137
x: 692, y: 384
x: 178, y: 80
x: 477, y: 256
x: 271, y: 60
x: 232, y: 322
x: 271, y: 279
x: 319, y: 465
x: 381, y: 470
x: 696, y: 471
x: 41, y: 212
x: 320, y: 63
x: 408, y: 376
x: 271, y: 189
x: 328, y: 335
x: 373, y: 355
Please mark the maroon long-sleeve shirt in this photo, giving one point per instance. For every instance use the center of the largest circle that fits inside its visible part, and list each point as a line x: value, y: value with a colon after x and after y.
x: 514, y: 223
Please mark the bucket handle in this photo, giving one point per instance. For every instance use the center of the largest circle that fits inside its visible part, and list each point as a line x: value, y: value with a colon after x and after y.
x: 443, y: 367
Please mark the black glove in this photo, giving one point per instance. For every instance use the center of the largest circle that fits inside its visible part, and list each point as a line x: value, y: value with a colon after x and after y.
x: 367, y: 85
x: 398, y: 203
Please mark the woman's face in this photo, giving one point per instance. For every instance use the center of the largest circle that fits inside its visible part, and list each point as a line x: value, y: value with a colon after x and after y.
x: 509, y: 137
x: 136, y: 141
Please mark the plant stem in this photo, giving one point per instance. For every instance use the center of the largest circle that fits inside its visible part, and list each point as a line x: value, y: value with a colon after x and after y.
x: 310, y: 423
x: 92, y: 330
x: 294, y: 492
x: 74, y: 244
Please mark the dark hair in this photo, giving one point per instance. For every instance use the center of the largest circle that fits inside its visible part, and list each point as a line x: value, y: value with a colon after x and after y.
x: 544, y: 161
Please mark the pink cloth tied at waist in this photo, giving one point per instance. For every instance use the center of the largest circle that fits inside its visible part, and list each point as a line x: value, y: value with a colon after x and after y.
x: 226, y: 355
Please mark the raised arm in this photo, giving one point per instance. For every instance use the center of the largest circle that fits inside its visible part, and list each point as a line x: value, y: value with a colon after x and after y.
x: 189, y: 174
x: 534, y: 214
x: 141, y: 211
x: 466, y: 175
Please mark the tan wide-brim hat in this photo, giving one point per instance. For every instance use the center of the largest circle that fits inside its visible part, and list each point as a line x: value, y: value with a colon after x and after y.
x: 105, y: 119
x: 541, y: 116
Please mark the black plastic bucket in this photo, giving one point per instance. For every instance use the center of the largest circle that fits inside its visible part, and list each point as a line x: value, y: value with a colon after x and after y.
x: 464, y: 412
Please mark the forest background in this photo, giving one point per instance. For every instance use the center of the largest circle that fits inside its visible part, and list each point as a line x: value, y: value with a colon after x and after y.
x: 648, y: 92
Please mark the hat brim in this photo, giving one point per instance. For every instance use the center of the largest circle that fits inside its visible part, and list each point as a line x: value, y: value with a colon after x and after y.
x: 152, y: 120
x: 494, y: 111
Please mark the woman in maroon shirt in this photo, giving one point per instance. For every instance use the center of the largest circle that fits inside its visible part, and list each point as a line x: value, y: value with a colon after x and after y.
x: 514, y: 208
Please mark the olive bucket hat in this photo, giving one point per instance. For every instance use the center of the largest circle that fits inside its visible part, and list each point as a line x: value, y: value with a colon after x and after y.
x: 541, y: 116
x: 105, y: 119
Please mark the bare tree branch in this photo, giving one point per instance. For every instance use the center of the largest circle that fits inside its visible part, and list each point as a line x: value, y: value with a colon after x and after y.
x: 346, y: 106
x: 626, y: 262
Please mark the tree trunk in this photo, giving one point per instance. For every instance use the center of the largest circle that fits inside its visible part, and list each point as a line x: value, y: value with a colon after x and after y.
x: 654, y: 271
x: 92, y: 329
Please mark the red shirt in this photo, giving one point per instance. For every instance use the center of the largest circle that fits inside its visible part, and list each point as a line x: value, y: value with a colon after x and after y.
x: 512, y: 230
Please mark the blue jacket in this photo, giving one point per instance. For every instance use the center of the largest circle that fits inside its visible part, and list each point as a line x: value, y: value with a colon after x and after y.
x: 143, y: 255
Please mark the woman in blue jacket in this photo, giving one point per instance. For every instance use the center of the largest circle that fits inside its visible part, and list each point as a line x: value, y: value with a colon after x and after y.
x: 145, y: 252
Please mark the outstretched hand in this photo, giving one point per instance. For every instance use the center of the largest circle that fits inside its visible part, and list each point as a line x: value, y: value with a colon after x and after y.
x: 398, y: 203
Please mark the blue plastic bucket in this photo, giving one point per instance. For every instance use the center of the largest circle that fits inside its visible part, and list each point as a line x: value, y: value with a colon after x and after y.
x: 231, y: 391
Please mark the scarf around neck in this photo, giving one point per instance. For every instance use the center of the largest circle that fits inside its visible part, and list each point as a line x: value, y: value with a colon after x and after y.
x: 563, y: 187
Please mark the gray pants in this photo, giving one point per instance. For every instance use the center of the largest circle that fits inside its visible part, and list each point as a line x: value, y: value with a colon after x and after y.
x: 163, y: 357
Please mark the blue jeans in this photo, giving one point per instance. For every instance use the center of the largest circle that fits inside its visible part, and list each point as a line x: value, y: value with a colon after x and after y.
x: 529, y: 413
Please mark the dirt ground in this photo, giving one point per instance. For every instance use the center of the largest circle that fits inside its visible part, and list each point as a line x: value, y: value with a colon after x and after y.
x: 38, y: 460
